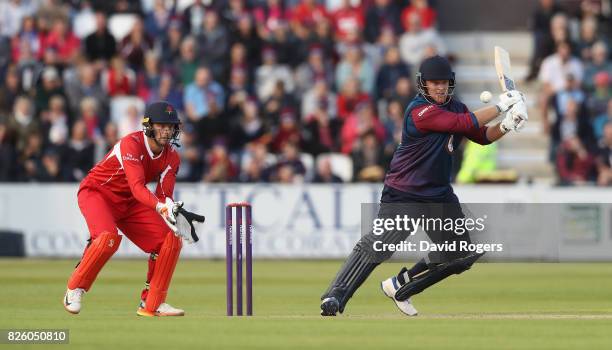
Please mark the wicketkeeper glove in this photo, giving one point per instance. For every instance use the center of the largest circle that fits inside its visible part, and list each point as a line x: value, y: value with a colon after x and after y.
x: 184, y: 223
x: 168, y: 211
x: 179, y: 220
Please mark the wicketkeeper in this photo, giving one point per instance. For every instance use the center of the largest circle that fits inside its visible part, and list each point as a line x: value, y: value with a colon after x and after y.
x: 419, y: 174
x: 114, y: 196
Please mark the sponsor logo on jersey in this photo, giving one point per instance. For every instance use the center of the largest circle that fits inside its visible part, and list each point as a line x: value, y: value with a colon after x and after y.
x: 424, y: 110
x: 129, y: 156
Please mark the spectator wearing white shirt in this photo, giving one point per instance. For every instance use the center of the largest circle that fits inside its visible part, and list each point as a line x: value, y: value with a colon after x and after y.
x: 556, y: 67
x: 319, y: 97
x: 131, y: 122
x: 269, y: 73
x: 12, y: 13
x: 553, y: 75
x: 415, y: 42
x: 355, y: 65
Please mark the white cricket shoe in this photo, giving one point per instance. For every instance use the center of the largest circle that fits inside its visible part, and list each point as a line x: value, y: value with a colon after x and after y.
x: 72, y: 300
x: 390, y: 286
x: 164, y: 309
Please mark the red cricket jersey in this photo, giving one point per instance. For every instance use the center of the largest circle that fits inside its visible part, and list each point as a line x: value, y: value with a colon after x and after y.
x: 130, y: 165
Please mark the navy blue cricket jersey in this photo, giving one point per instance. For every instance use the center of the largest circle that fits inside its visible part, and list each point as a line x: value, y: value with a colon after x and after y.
x: 422, y: 163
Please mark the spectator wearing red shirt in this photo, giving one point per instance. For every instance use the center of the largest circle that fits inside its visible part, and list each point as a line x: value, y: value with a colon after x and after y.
x: 307, y: 13
x: 425, y: 13
x: 118, y: 80
x: 61, y: 39
x: 220, y: 167
x: 287, y: 131
x: 269, y: 17
x: 89, y: 115
x: 29, y: 35
x: 347, y: 21
x: 575, y: 165
x: 350, y: 97
x: 358, y: 124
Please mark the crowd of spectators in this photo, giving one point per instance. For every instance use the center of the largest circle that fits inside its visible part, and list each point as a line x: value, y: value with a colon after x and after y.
x: 268, y: 90
x: 572, y: 62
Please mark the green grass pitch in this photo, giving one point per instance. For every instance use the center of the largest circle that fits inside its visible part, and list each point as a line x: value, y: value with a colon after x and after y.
x: 492, y: 306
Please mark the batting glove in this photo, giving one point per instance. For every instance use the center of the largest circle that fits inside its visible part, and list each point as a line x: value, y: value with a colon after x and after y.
x: 506, y: 124
x: 508, y: 99
x: 515, y: 118
x: 519, y: 115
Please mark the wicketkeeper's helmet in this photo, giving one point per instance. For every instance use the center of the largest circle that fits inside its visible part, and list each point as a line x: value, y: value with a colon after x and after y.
x: 161, y: 112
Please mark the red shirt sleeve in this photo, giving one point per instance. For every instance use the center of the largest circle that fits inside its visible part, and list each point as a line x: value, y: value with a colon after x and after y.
x: 431, y: 118
x: 131, y: 156
x: 167, y: 179
x: 478, y: 135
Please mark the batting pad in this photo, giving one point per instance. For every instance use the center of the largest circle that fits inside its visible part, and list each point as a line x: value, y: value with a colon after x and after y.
x: 94, y: 258
x: 164, y: 268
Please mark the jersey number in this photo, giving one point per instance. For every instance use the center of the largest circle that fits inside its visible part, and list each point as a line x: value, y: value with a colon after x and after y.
x: 449, y: 146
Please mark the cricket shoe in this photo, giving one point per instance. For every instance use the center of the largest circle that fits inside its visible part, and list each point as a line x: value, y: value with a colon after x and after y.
x: 390, y: 286
x: 329, y: 306
x: 163, y: 310
x: 72, y: 300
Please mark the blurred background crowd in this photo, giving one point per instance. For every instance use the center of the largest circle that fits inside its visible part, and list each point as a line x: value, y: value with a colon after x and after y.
x: 268, y: 90
x: 571, y: 62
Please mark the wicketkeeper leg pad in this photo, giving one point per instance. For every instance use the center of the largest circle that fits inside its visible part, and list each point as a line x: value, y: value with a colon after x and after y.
x: 151, y: 269
x: 94, y: 258
x: 164, y: 268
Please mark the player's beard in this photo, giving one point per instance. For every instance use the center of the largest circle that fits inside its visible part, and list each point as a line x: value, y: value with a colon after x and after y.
x: 161, y: 139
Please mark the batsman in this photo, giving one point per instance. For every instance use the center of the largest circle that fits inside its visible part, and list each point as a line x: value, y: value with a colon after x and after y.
x: 419, y: 175
x: 114, y: 196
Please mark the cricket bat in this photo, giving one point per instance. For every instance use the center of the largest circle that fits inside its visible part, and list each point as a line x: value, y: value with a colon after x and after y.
x: 502, y: 67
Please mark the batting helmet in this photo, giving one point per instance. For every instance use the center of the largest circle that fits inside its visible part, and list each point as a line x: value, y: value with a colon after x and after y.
x: 435, y: 68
